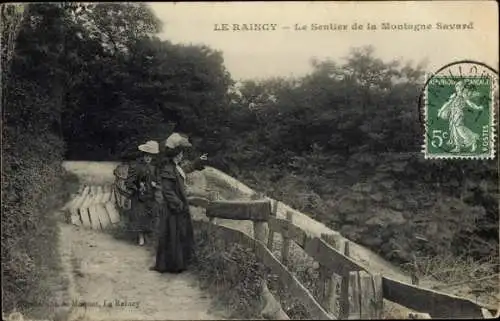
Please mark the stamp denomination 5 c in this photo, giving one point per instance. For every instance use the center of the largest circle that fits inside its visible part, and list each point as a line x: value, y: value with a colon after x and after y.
x: 459, y: 117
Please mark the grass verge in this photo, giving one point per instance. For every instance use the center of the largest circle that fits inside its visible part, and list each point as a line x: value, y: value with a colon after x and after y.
x: 34, y: 284
x: 230, y: 272
x: 463, y: 276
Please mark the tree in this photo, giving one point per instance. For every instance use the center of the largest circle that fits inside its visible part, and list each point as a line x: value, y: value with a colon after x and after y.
x: 31, y: 153
x: 117, y: 26
x: 12, y: 19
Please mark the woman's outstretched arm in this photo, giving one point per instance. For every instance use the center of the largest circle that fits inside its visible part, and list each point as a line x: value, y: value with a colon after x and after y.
x: 472, y: 105
x: 192, y: 166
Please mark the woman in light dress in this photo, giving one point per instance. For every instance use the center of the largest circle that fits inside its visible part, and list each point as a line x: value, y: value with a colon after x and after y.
x: 453, y: 111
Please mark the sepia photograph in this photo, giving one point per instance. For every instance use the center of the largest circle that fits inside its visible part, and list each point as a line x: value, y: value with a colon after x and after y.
x: 240, y: 160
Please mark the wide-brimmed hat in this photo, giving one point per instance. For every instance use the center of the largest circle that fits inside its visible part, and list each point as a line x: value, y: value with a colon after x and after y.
x: 151, y: 147
x: 177, y: 140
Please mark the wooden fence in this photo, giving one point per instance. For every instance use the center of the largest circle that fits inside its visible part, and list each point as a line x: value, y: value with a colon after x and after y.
x: 346, y: 290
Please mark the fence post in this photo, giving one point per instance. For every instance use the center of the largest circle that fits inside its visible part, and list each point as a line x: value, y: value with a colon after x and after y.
x: 365, y: 296
x: 334, y: 287
x: 354, y: 296
x: 272, y: 308
x: 274, y: 213
x: 323, y: 282
x: 212, y: 196
x: 286, y: 240
x: 260, y: 231
x: 326, y: 286
x: 260, y: 228
x: 343, y: 298
x: 323, y: 286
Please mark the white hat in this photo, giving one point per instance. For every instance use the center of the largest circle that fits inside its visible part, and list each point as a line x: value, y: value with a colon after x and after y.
x: 177, y: 140
x: 151, y: 147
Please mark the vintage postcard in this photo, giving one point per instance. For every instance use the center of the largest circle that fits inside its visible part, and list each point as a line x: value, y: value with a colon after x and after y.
x: 250, y: 160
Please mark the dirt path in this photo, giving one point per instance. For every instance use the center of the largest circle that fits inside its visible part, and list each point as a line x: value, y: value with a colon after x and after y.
x: 112, y: 278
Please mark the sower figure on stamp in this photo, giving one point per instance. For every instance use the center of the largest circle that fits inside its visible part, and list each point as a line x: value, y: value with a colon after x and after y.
x: 140, y: 183
x: 175, y: 236
x: 453, y: 111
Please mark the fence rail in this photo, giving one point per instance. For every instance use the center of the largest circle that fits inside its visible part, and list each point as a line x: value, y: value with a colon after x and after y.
x: 347, y: 290
x: 269, y: 260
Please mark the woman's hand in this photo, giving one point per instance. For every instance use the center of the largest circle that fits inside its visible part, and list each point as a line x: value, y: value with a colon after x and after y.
x: 158, y: 196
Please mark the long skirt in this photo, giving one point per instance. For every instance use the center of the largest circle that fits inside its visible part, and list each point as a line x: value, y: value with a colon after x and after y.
x: 175, y: 242
x: 142, y: 215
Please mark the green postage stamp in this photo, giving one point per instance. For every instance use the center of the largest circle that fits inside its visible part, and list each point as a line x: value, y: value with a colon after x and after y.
x: 459, y: 117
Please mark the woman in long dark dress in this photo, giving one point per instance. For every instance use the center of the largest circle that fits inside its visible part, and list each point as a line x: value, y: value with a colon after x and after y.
x: 140, y: 183
x: 175, y: 238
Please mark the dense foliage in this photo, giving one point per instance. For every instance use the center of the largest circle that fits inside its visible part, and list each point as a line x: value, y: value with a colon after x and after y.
x: 32, y: 150
x: 341, y: 143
